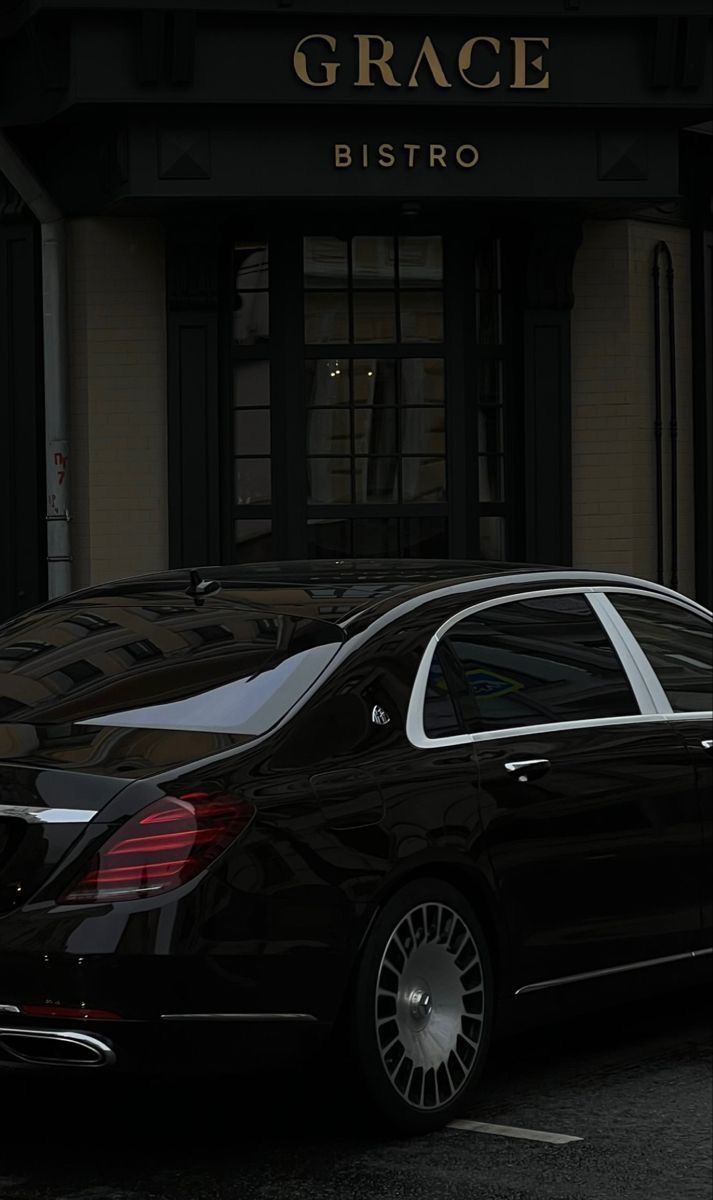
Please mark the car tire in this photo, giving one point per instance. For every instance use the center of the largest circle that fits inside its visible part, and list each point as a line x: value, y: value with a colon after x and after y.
x: 422, y: 1007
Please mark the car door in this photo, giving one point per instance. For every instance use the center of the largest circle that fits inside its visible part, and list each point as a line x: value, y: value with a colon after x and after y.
x: 675, y: 640
x: 587, y: 794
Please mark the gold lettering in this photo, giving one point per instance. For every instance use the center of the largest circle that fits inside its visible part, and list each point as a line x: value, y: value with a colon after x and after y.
x: 520, y: 45
x: 364, y: 154
x: 428, y: 51
x: 299, y: 61
x: 465, y: 61
x: 436, y: 154
x: 413, y: 149
x: 366, y: 61
x: 467, y: 156
x: 387, y: 157
x: 342, y: 155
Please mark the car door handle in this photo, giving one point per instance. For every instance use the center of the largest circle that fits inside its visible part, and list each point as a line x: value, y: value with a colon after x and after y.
x: 707, y: 743
x: 528, y: 768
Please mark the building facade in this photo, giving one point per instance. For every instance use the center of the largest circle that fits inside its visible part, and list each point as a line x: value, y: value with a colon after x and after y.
x: 418, y: 282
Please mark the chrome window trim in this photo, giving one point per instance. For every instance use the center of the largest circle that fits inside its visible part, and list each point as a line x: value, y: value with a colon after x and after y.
x: 586, y: 581
x: 522, y: 731
x: 621, y: 644
x: 642, y: 678
x: 646, y: 669
x: 699, y: 715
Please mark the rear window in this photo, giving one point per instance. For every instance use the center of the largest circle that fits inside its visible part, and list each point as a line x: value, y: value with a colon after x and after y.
x: 215, y: 666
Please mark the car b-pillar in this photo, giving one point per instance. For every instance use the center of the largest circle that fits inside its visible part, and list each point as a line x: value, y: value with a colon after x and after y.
x: 548, y: 259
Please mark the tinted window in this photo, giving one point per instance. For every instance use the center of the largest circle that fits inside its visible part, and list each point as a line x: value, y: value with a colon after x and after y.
x: 540, y: 660
x: 439, y: 715
x: 678, y: 644
x: 181, y: 677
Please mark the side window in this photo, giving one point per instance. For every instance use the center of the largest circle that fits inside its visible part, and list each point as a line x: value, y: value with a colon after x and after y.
x: 530, y: 662
x: 440, y: 718
x: 679, y: 645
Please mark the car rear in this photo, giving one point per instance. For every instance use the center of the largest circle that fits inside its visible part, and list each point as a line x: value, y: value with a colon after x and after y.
x: 117, y: 829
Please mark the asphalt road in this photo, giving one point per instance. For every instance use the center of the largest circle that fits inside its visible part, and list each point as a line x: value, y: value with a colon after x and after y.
x: 634, y: 1083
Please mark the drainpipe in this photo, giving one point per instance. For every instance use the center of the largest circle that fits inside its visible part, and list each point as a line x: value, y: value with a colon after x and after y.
x: 54, y: 337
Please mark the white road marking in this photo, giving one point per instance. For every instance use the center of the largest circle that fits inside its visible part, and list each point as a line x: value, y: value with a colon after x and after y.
x: 530, y: 1135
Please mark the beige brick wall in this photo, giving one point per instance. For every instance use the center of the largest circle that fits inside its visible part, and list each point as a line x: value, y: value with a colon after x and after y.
x: 117, y: 398
x: 614, y: 497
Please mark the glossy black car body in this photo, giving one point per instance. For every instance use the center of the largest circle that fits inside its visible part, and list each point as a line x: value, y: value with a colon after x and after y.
x: 590, y: 857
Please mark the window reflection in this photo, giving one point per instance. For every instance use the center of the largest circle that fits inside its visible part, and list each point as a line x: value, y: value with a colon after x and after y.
x: 251, y: 317
x: 373, y: 262
x: 420, y: 262
x: 373, y: 289
x: 439, y: 714
x: 535, y: 661
x: 679, y: 645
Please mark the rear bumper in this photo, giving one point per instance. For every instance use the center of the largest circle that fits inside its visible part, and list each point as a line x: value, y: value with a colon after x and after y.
x: 194, y: 1044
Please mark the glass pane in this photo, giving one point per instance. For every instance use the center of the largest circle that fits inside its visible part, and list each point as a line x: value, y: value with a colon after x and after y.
x: 487, y: 267
x: 251, y: 318
x: 492, y: 539
x: 326, y: 317
x: 539, y: 660
x: 328, y: 431
x: 373, y: 262
x: 326, y: 381
x: 424, y: 480
x: 374, y: 381
x: 251, y: 384
x: 490, y: 477
x: 329, y: 539
x: 325, y: 262
x: 252, y: 430
x: 490, y: 430
x: 374, y: 317
x: 490, y: 382
x: 252, y: 481
x: 423, y: 431
x: 376, y: 480
x: 488, y: 318
x: 677, y: 643
x: 253, y: 541
x: 424, y: 537
x: 421, y: 261
x: 376, y: 431
x: 439, y: 714
x: 251, y: 266
x: 376, y: 538
x: 329, y: 481
x: 422, y: 381
x: 421, y: 317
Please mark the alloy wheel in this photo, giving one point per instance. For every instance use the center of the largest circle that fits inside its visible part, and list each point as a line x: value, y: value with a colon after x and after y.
x: 429, y: 1008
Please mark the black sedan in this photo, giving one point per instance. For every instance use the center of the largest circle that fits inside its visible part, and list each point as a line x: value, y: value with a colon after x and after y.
x: 245, y: 810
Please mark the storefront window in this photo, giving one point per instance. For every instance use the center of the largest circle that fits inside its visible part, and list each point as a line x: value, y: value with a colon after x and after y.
x: 364, y: 452
x: 490, y: 398
x: 252, y: 424
x: 375, y: 426
x: 251, y: 319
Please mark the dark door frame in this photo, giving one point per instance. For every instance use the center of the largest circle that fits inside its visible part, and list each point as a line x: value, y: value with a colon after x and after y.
x: 23, y: 555
x: 537, y: 282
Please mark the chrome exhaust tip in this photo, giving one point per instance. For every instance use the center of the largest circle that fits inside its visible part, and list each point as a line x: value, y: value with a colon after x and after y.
x: 55, y: 1048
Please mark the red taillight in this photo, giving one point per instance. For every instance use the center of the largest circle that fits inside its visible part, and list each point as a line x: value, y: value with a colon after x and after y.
x: 162, y: 847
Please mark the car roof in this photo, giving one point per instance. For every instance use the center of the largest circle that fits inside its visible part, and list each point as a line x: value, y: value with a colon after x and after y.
x: 338, y: 590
